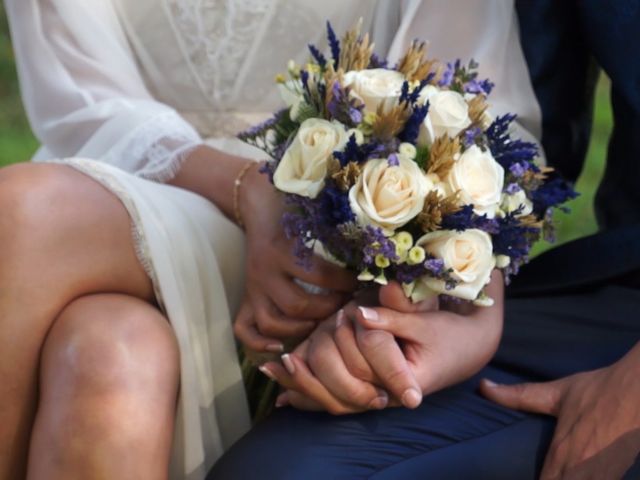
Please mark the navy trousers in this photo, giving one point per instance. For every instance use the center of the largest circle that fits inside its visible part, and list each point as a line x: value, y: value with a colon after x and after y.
x: 455, y: 433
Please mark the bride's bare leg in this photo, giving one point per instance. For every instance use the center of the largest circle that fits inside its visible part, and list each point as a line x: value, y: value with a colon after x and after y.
x: 107, y: 366
x: 62, y: 236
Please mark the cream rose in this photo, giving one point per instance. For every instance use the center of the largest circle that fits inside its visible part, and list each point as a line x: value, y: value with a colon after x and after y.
x: 479, y: 180
x: 511, y: 203
x: 448, y: 114
x: 388, y: 196
x: 469, y: 254
x: 303, y: 167
x: 375, y: 87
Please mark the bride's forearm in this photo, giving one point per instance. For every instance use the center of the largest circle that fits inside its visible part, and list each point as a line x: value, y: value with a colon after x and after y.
x: 212, y: 174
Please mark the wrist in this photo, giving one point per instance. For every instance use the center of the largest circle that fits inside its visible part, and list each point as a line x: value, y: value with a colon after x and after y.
x: 258, y: 201
x: 240, y: 207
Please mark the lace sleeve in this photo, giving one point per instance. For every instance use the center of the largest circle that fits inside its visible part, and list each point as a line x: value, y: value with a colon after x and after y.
x: 83, y: 91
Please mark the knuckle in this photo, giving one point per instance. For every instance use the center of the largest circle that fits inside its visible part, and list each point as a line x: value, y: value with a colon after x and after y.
x: 397, y: 377
x: 267, y: 325
x: 295, y: 307
x: 374, y: 339
x: 360, y: 371
x: 360, y: 395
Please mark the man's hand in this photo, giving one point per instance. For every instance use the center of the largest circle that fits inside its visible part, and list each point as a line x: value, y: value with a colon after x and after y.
x: 598, y: 431
x: 398, y: 347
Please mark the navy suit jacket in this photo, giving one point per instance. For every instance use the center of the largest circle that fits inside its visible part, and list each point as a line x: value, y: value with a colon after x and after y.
x: 566, y: 43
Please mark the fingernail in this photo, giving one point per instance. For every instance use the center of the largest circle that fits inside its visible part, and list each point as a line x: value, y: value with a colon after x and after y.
x: 282, y: 400
x: 369, y: 314
x: 340, y: 318
x: 267, y: 371
x: 490, y: 383
x: 411, y: 398
x: 274, y: 347
x: 379, y: 403
x: 288, y: 364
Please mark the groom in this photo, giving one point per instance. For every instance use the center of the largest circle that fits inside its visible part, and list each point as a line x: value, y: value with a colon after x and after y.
x: 571, y: 340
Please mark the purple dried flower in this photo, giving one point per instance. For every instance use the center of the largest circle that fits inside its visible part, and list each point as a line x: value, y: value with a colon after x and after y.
x: 393, y: 160
x: 342, y: 107
x: 447, y: 75
x: 435, y: 265
x: 376, y: 243
x: 517, y: 169
x: 470, y: 136
x: 512, y: 188
x: 355, y: 114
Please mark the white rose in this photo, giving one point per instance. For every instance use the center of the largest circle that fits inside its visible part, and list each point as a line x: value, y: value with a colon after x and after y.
x: 388, y: 196
x: 448, y: 114
x: 303, y: 167
x: 375, y: 87
x: 510, y: 203
x: 469, y: 254
x: 479, y: 179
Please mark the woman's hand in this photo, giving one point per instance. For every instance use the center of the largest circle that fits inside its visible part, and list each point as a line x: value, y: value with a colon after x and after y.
x: 398, y: 347
x: 598, y: 430
x: 275, y: 307
x: 281, y: 309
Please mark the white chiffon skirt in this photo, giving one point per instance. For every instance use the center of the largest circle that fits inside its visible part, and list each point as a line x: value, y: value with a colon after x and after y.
x: 195, y: 258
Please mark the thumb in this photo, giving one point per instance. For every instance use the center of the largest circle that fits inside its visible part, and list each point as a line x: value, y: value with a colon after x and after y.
x: 407, y: 326
x: 531, y: 397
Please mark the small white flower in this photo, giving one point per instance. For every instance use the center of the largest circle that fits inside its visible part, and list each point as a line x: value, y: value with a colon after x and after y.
x: 502, y: 261
x: 511, y: 203
x: 407, y: 150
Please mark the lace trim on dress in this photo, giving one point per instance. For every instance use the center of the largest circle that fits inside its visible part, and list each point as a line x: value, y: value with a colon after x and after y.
x: 156, y: 149
x: 140, y: 243
x: 216, y: 36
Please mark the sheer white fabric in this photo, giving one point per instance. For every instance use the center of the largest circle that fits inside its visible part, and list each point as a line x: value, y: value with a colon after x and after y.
x: 134, y: 86
x: 83, y: 91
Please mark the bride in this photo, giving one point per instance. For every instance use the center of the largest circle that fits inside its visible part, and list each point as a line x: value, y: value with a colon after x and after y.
x: 124, y: 257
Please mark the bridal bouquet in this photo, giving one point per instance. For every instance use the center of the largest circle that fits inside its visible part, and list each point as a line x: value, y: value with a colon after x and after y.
x: 400, y: 171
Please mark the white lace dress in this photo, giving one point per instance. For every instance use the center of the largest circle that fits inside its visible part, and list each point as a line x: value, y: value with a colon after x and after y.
x: 123, y: 90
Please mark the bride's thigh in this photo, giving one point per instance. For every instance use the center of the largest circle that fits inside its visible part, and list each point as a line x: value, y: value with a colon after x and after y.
x: 109, y: 381
x: 61, y: 228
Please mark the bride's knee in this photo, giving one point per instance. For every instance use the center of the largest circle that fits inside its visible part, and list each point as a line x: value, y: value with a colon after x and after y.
x: 27, y: 192
x: 111, y: 344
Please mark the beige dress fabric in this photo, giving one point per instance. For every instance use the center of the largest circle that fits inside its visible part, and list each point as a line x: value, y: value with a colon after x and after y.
x: 123, y: 90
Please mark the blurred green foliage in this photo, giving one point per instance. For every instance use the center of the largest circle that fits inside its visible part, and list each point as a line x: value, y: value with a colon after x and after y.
x: 17, y: 143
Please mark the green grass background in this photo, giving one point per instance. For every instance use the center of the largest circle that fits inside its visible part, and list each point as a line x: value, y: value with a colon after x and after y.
x: 17, y: 143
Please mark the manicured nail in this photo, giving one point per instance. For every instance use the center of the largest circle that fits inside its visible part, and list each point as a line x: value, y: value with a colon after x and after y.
x: 340, y: 318
x: 288, y: 364
x: 380, y: 402
x: 267, y: 371
x: 411, y: 398
x: 275, y: 348
x: 282, y: 400
x: 369, y: 314
x: 490, y: 383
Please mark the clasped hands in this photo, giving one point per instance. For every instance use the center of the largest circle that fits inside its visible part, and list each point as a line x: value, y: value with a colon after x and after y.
x: 395, y: 352
x: 367, y: 357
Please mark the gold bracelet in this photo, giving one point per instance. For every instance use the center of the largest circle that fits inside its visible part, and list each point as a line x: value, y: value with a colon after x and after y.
x: 236, y: 192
